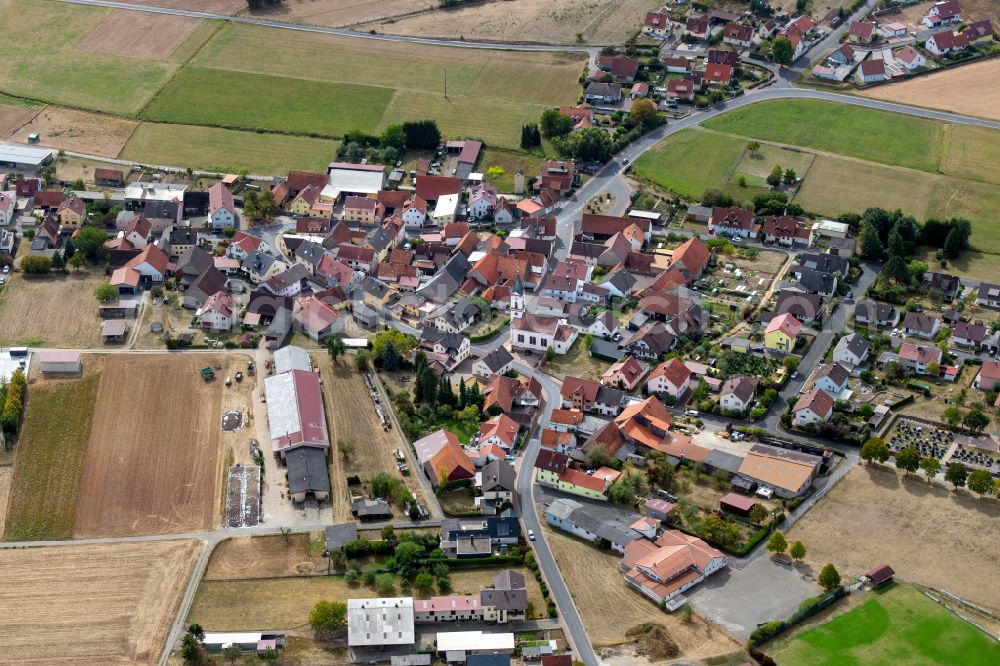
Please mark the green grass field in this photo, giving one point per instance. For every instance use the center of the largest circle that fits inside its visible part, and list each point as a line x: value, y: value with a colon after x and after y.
x: 840, y: 128
x: 972, y: 153
x: 209, y: 148
x: 690, y: 161
x: 254, y: 101
x: 50, y: 454
x: 756, y: 167
x: 898, y: 626
x: 37, y: 44
x: 510, y: 162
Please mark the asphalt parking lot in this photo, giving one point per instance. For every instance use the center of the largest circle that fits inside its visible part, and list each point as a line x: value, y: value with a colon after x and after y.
x: 740, y: 599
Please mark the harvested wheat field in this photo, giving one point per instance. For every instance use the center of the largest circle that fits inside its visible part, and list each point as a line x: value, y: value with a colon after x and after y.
x: 949, y: 90
x: 94, y: 604
x: 57, y: 311
x: 13, y: 116
x: 609, y: 608
x: 138, y: 35
x: 152, y: 463
x: 79, y: 131
x: 542, y: 21
x: 352, y: 419
x: 266, y: 556
x: 876, y: 516
x: 340, y: 13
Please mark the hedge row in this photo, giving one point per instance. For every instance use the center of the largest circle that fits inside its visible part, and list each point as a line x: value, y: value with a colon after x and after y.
x: 771, y: 629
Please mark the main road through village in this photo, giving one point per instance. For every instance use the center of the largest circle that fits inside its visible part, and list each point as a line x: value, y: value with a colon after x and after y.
x: 609, y: 179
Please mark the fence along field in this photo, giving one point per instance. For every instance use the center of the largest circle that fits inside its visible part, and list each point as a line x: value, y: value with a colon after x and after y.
x: 79, y: 605
x: 152, y: 463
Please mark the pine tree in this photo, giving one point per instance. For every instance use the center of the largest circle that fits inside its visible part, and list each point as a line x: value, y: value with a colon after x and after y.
x: 475, y: 397
x: 463, y: 394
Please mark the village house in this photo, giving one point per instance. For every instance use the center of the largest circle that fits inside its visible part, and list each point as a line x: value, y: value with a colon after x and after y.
x: 539, y: 333
x: 872, y: 71
x: 943, y: 283
x: 910, y: 58
x: 832, y: 378
x: 449, y: 349
x: 590, y: 524
x: 651, y: 341
x: 737, y: 394
x: 497, y: 362
x: 625, y: 374
x: 988, y: 377
x: 916, y: 358
x: 796, y: 32
x: 861, y: 32
x: 656, y: 25
x: 738, y: 34
x: 815, y: 406
x: 316, y: 319
x: 454, y: 317
x: 851, y: 351
x: 605, y: 93
x: 360, y: 210
x: 72, y: 213
x: 879, y: 315
x: 620, y: 68
x: 988, y: 295
x: 733, y: 222
x: 218, y: 313
x: 221, y: 208
x: 678, y: 89
x: 718, y: 75
x: 967, y: 334
x: 943, y: 13
x: 782, y: 332
x: 785, y: 230
x: 921, y: 325
x: 671, y: 378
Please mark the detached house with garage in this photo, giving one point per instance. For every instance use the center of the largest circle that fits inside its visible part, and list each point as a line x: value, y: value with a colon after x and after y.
x: 656, y: 24
x: 921, y: 325
x: 737, y: 394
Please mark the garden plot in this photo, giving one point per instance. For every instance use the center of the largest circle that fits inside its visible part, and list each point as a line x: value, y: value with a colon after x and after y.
x: 243, y: 496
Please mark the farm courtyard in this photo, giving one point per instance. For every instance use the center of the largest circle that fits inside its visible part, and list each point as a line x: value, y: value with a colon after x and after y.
x: 876, y: 516
x: 107, y: 603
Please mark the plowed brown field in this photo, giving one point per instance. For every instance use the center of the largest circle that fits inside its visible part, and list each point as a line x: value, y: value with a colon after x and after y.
x: 152, y: 462
x: 94, y: 604
x: 138, y: 35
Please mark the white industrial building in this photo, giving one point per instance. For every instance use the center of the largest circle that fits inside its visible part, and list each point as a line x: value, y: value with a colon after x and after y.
x: 458, y: 645
x: 144, y: 191
x: 364, y: 180
x: 291, y: 358
x: 380, y: 623
x: 24, y: 158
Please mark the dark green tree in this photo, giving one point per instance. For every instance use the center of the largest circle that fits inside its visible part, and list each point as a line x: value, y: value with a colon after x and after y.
x: 956, y: 474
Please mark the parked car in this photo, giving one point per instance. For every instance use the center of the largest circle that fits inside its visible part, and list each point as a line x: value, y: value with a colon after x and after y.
x: 624, y: 161
x: 6, y: 268
x: 531, y: 535
x: 691, y: 412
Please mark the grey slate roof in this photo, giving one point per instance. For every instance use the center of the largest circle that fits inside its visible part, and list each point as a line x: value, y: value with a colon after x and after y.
x: 817, y: 282
x: 825, y: 263
x: 307, y: 470
x: 447, y: 280
x: 497, y: 475
x: 338, y: 535
x: 497, y: 359
x: 854, y: 343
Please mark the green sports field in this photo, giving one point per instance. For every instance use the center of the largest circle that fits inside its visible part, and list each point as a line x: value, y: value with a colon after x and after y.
x: 897, y: 626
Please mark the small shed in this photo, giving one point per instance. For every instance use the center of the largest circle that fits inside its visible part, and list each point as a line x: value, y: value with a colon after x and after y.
x: 737, y: 504
x: 61, y: 363
x: 113, y: 331
x: 880, y: 575
x: 658, y: 508
x: 744, y: 485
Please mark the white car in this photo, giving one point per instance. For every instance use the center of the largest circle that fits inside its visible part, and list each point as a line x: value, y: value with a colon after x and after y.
x: 895, y: 332
x: 6, y: 268
x: 691, y: 412
x: 531, y: 535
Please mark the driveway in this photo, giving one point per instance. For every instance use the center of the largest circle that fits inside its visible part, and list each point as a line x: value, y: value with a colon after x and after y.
x: 740, y: 599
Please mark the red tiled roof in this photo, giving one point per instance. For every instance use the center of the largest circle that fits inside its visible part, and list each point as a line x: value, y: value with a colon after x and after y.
x: 431, y: 188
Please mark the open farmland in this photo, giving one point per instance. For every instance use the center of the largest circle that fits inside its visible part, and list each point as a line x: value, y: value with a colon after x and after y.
x: 48, y: 67
x: 898, y: 625
x: 14, y: 113
x: 152, y: 463
x: 210, y: 148
x: 351, y: 418
x: 756, y: 167
x: 339, y: 13
x: 53, y: 311
x: 518, y: 21
x: 226, y: 7
x: 138, y: 35
x: 972, y: 152
x: 81, y: 605
x: 609, y: 608
x: 949, y: 90
x: 279, y: 103
x: 874, y: 515
x: 842, y: 129
x: 78, y: 131
x: 284, y: 603
x: 50, y: 454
